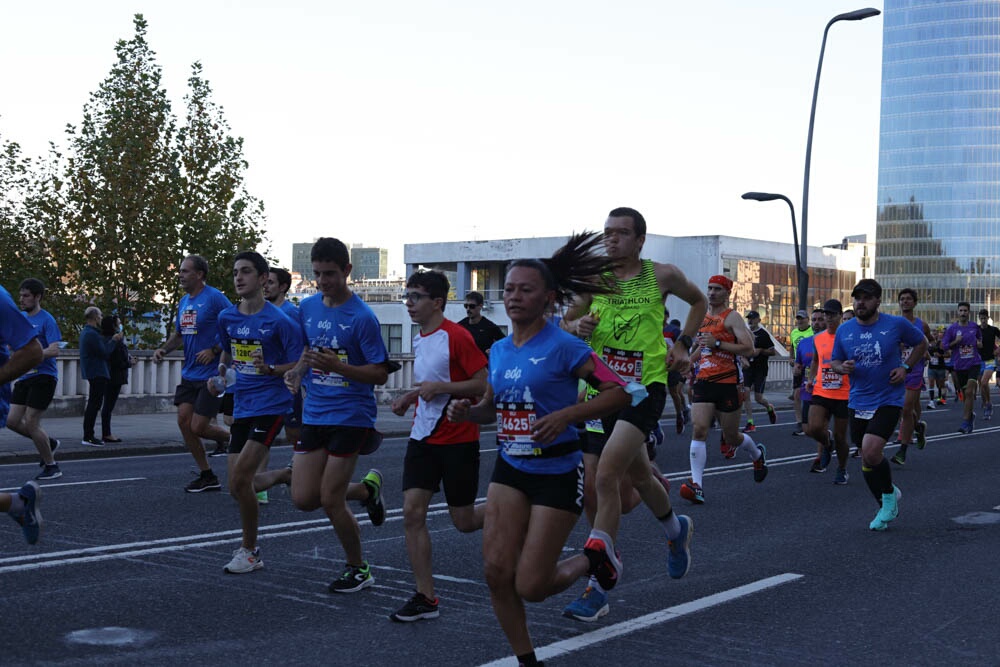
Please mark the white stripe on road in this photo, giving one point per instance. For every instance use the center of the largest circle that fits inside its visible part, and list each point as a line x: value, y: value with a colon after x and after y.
x: 94, y: 481
x: 568, y: 646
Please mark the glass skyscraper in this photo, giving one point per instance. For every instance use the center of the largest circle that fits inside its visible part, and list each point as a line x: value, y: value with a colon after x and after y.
x: 938, y: 224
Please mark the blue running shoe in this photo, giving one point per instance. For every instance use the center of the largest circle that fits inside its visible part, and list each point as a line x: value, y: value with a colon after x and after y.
x: 888, y: 511
x: 605, y: 563
x: 588, y: 607
x: 30, y: 518
x: 679, y: 558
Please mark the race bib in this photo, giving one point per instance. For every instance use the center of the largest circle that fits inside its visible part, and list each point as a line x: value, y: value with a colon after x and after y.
x: 243, y: 351
x: 329, y: 378
x: 966, y: 351
x: 514, y: 423
x: 864, y: 414
x: 189, y: 322
x: 832, y: 380
x: 627, y: 363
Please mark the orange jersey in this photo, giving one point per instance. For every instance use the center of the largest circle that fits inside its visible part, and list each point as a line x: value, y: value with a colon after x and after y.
x: 828, y: 384
x: 717, y: 365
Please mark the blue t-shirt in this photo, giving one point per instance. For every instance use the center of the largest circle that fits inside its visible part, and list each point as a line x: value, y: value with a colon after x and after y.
x: 291, y: 311
x: 197, y: 322
x: 48, y: 333
x: 530, y: 382
x: 875, y: 349
x: 353, y: 332
x: 804, y: 353
x: 280, y: 341
x: 15, y: 333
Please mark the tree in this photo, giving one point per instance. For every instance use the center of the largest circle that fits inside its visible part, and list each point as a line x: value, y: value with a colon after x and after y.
x: 121, y: 208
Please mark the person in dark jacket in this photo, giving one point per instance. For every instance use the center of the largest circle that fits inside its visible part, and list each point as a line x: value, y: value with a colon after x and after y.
x: 95, y: 350
x: 119, y: 364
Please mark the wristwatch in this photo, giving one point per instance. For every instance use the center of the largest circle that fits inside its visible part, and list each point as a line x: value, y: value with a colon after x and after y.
x: 718, y: 344
x: 906, y: 366
x: 686, y: 341
x: 270, y: 369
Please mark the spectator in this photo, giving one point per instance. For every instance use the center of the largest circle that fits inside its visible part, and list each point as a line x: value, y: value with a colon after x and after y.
x: 94, y: 354
x: 483, y: 331
x: 119, y: 364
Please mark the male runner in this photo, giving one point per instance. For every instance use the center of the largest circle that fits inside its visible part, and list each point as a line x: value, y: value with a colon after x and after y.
x: 800, y: 331
x: 755, y: 376
x: 344, y: 359
x: 937, y: 371
x: 964, y: 339
x: 830, y: 394
x: 675, y: 380
x: 989, y: 354
x: 626, y: 330
x: 447, y: 365
x: 261, y: 343
x: 723, y: 337
x: 196, y: 328
x: 33, y: 393
x: 910, y: 421
x: 868, y: 349
x: 20, y: 351
x: 805, y: 352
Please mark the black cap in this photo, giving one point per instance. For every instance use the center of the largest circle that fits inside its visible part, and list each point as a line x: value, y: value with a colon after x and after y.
x: 833, y: 306
x: 753, y: 314
x: 867, y: 286
x: 803, y: 314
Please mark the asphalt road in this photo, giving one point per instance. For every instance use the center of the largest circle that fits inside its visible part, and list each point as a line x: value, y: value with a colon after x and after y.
x: 129, y: 570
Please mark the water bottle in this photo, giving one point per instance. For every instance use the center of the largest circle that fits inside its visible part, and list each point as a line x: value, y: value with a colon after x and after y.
x: 222, y: 384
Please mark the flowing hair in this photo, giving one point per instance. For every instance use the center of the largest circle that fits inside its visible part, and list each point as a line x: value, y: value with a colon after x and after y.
x: 579, y: 267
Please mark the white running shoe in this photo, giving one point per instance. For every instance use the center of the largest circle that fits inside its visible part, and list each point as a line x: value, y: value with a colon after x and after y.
x: 244, y: 561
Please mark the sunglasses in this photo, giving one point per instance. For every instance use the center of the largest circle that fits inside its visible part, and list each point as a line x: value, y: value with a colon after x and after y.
x: 470, y: 306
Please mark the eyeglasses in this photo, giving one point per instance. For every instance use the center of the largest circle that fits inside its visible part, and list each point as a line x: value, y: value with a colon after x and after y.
x: 470, y: 306
x: 414, y: 297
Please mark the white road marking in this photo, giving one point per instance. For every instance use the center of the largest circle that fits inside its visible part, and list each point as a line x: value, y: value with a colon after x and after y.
x: 568, y: 646
x: 46, y: 485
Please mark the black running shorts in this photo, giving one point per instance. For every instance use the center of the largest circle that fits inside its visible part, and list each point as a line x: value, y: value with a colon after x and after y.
x: 35, y: 392
x: 455, y: 466
x: 562, y: 491
x: 263, y: 429
x: 196, y: 393
x: 882, y: 423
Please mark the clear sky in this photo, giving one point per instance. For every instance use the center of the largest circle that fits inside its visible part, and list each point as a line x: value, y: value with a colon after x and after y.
x: 406, y: 121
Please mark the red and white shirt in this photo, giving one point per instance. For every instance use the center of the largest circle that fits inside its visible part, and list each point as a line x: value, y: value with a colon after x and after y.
x: 447, y: 354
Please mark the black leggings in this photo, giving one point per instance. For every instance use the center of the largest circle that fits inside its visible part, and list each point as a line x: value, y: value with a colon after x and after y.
x: 111, y: 393
x: 98, y: 386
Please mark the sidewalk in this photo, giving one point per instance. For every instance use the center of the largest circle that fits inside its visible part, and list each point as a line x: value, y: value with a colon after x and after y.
x: 157, y: 433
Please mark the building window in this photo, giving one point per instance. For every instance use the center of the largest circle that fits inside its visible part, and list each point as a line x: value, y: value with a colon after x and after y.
x: 392, y: 336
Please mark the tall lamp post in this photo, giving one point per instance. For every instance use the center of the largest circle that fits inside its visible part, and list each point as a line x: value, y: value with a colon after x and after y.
x: 800, y: 270
x: 856, y: 15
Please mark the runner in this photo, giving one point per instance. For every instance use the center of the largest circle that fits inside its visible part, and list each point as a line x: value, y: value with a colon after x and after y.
x: 805, y: 353
x: 830, y: 395
x: 964, y: 339
x: 675, y: 379
x: 868, y: 350
x: 723, y: 336
x: 261, y: 344
x: 801, y: 330
x: 535, y: 495
x: 755, y: 376
x: 988, y: 352
x: 196, y: 328
x: 937, y: 372
x: 344, y: 360
x: 447, y: 366
x: 626, y: 329
x: 910, y: 422
x: 20, y: 351
x: 33, y: 393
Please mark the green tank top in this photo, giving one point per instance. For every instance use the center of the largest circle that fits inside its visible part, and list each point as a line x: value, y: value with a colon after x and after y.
x: 629, y: 333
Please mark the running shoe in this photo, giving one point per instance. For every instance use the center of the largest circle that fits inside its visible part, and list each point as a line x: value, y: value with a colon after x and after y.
x: 605, y: 562
x: 727, y: 451
x: 760, y: 465
x: 921, y: 431
x: 50, y: 472
x: 817, y: 466
x: 589, y: 607
x: 221, y: 448
x: 988, y: 411
x: 206, y: 481
x: 942, y: 401
x: 418, y: 607
x: 772, y: 415
x: 841, y: 477
x: 92, y: 442
x: 692, y: 493
x: 679, y: 426
x: 374, y: 503
x: 53, y: 446
x: 30, y: 518
x: 931, y: 406
x: 244, y: 560
x: 966, y: 427
x: 900, y: 458
x: 679, y: 557
x: 798, y: 431
x: 888, y: 511
x: 827, y: 454
x: 959, y: 397
x: 262, y: 498
x: 856, y: 453
x: 749, y: 428
x: 353, y: 579
x: 687, y: 415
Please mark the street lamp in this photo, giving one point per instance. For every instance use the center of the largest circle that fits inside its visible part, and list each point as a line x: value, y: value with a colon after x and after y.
x: 800, y: 271
x: 856, y: 15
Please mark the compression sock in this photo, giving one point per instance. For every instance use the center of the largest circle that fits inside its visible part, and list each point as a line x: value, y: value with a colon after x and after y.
x: 699, y: 457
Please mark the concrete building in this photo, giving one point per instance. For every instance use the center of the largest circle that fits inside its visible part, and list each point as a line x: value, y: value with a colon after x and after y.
x: 301, y: 262
x: 369, y: 263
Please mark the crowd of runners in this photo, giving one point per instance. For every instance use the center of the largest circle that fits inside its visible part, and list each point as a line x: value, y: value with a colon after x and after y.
x: 576, y: 400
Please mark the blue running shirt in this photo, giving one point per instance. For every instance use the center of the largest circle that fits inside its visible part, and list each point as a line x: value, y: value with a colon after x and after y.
x: 875, y: 350
x: 280, y: 341
x: 48, y: 333
x: 530, y: 382
x: 354, y: 333
x: 197, y: 318
x: 291, y: 311
x: 15, y: 333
